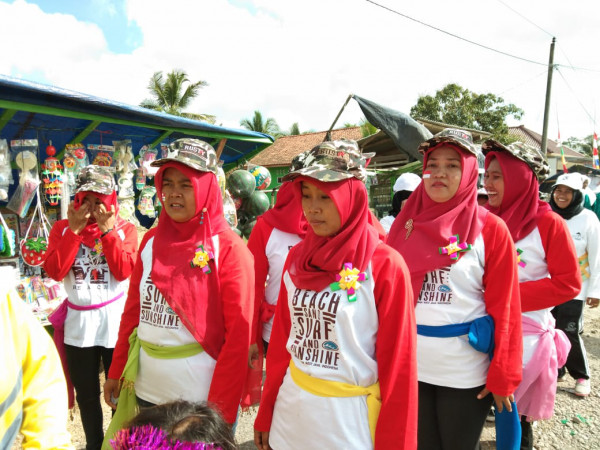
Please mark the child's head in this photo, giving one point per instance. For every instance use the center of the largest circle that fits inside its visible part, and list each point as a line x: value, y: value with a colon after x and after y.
x: 176, y: 424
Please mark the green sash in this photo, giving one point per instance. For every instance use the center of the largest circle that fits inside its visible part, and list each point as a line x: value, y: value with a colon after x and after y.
x: 127, y: 407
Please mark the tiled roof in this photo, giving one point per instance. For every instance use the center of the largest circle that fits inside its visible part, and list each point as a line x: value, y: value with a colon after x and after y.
x: 535, y: 139
x: 283, y: 150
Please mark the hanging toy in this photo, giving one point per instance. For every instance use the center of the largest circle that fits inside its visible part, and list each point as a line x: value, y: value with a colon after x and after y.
x: 146, y: 201
x: 52, y: 176
x: 75, y: 160
x: 140, y: 179
x: 35, y: 243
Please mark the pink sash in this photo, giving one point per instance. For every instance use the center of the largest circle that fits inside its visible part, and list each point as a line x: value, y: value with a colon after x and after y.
x: 537, y: 391
x: 57, y: 319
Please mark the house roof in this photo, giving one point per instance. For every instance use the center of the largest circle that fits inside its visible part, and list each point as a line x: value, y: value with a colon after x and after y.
x: 285, y: 148
x: 534, y: 139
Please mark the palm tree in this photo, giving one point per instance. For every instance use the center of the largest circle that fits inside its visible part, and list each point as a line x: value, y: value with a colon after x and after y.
x: 257, y: 124
x: 171, y: 96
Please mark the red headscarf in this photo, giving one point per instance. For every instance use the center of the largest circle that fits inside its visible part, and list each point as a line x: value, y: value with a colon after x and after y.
x: 91, y: 232
x: 521, y: 207
x: 287, y: 213
x: 434, y: 223
x: 316, y: 259
x: 193, y: 294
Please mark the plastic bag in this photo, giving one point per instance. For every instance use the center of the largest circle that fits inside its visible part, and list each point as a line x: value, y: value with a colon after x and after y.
x: 102, y: 155
x: 5, y: 171
x: 24, y: 154
x: 75, y: 159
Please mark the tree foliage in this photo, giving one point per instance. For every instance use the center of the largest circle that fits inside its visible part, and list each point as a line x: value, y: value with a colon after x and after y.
x: 173, y: 93
x: 257, y: 123
x: 457, y: 106
x: 295, y: 129
x: 584, y: 146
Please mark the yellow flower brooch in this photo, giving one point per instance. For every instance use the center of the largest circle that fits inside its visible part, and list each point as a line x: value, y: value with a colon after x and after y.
x: 348, y: 280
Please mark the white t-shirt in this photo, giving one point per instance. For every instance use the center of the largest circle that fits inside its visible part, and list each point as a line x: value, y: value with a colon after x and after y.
x: 585, y: 231
x: 91, y: 284
x: 536, y: 268
x: 453, y: 295
x: 332, y: 339
x: 277, y: 248
x: 159, y: 324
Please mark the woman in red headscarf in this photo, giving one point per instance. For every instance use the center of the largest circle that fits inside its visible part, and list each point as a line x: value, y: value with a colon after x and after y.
x: 341, y: 363
x: 274, y: 234
x: 93, y: 251
x: 187, y: 321
x: 463, y: 269
x: 548, y: 271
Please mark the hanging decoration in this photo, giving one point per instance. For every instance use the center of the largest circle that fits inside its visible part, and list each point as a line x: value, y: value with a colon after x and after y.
x: 52, y: 177
x: 595, y: 161
x: 35, y: 243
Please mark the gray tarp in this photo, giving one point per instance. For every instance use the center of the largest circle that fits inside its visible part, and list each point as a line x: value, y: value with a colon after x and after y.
x: 406, y: 132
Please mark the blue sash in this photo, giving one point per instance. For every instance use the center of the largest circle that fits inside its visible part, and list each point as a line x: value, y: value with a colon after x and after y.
x: 480, y: 331
x: 481, y: 338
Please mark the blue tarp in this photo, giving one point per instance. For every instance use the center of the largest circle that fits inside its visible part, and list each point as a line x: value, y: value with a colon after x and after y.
x: 50, y: 113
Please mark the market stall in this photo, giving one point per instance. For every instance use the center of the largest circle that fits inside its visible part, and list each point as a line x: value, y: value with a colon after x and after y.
x: 48, y: 134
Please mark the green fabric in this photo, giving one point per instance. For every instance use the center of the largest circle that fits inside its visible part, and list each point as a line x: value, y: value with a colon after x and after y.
x: 127, y: 407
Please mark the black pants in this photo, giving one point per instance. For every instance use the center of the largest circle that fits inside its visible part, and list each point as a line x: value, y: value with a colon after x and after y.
x: 569, y: 318
x: 451, y: 418
x: 84, y: 369
x: 526, y: 434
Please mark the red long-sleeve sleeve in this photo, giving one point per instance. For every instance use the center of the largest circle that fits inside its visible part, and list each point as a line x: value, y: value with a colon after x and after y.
x: 564, y: 282
x: 257, y: 244
x: 502, y: 302
x: 120, y: 253
x: 130, y: 318
x: 236, y: 277
x: 396, y: 352
x: 278, y: 358
x: 63, y: 246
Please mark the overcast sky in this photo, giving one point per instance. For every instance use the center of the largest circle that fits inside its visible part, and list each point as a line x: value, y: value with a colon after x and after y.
x: 297, y: 61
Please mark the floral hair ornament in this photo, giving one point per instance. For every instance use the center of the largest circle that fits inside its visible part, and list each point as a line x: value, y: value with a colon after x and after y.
x: 148, y: 437
x: 201, y: 259
x: 454, y: 247
x: 348, y: 280
x: 520, y: 262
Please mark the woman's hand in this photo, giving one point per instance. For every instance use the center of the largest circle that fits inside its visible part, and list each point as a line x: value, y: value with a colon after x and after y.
x: 501, y: 401
x: 104, y: 218
x: 78, y: 218
x: 592, y: 302
x: 252, y: 355
x: 112, y: 389
x: 261, y: 440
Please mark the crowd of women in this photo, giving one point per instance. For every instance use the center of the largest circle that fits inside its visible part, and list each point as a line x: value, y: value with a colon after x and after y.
x: 373, y: 339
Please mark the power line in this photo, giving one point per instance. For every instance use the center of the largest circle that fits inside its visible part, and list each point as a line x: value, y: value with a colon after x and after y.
x: 525, y: 18
x: 575, y: 95
x: 544, y: 72
x: 456, y: 36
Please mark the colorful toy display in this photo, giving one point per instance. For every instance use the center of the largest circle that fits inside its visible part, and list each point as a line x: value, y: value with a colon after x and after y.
x: 52, y: 177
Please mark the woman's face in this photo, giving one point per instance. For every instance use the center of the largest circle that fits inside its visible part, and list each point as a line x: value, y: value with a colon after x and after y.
x: 493, y: 181
x: 445, y: 172
x: 320, y: 210
x: 563, y: 196
x: 178, y: 192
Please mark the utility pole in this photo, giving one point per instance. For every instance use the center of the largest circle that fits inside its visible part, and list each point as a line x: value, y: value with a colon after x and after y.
x: 547, y: 107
